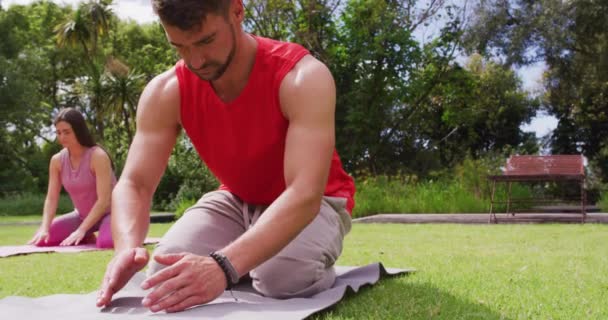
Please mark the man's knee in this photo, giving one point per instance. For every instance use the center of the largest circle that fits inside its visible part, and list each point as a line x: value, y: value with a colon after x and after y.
x: 287, y: 278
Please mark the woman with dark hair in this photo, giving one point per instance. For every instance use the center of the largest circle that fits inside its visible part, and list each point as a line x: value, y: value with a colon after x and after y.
x: 85, y: 171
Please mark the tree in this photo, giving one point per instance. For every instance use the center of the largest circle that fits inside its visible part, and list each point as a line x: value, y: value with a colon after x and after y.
x: 28, y: 91
x: 122, y: 88
x: 572, y: 38
x: 270, y: 18
x: 383, y: 76
x: 88, y: 23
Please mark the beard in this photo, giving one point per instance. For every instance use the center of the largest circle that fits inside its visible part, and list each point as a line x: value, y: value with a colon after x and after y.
x: 213, y: 70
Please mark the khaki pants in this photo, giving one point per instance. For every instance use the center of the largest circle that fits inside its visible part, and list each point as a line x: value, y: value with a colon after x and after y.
x: 303, y: 268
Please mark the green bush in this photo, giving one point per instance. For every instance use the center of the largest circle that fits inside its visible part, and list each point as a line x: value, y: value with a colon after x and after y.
x: 603, y: 203
x: 185, y: 179
x: 465, y: 189
x: 395, y: 195
x: 31, y: 204
x: 472, y: 174
x: 182, y: 206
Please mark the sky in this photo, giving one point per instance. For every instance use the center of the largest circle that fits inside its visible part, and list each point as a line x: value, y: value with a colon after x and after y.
x: 141, y: 11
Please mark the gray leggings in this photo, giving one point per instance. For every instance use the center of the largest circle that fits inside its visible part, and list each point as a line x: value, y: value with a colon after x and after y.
x: 303, y: 268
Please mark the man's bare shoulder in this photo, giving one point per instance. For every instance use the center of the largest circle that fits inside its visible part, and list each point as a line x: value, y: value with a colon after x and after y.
x: 310, y: 79
x: 159, y: 102
x: 306, y: 67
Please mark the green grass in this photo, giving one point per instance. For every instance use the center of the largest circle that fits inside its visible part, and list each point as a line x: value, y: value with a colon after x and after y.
x: 20, y: 219
x: 43, y: 274
x: 464, y: 271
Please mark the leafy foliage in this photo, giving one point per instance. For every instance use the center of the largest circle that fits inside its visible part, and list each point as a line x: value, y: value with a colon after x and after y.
x: 571, y: 37
x: 404, y: 107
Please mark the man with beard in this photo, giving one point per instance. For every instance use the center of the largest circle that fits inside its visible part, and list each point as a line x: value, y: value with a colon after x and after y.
x: 260, y: 113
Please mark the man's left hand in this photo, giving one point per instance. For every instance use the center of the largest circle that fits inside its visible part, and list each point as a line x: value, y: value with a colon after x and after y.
x: 189, y: 280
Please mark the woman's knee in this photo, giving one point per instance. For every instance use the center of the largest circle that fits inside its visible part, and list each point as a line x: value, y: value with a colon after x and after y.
x: 105, y: 242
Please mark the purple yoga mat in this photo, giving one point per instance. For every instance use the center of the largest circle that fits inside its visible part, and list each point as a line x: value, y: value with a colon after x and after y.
x: 250, y: 305
x: 7, y: 251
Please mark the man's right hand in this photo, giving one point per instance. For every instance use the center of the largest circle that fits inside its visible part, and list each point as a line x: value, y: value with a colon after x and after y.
x: 120, y: 269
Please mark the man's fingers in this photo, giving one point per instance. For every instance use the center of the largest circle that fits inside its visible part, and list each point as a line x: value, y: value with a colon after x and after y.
x: 161, y: 276
x: 169, y: 258
x: 167, y: 273
x: 141, y: 256
x: 191, y: 301
x: 108, y: 286
x: 119, y: 271
x: 167, y: 294
x: 104, y: 296
x: 104, y: 292
x: 173, y: 300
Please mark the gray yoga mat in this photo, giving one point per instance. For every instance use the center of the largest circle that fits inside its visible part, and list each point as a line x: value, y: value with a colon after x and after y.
x: 250, y: 305
x: 7, y: 251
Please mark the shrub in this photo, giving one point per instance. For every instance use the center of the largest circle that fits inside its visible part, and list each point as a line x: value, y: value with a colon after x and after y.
x: 186, y: 178
x: 31, y: 204
x: 603, y: 203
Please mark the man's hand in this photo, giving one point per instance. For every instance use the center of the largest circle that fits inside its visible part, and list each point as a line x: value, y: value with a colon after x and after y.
x: 120, y: 269
x: 74, y: 238
x: 189, y: 280
x: 41, y: 236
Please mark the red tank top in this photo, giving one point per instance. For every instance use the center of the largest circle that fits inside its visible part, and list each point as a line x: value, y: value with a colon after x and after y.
x: 243, y: 142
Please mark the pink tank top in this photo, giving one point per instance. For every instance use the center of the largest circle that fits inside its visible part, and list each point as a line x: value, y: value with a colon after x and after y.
x: 81, y: 183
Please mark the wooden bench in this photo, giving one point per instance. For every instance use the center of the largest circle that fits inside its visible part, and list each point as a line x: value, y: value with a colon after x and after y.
x: 540, y: 168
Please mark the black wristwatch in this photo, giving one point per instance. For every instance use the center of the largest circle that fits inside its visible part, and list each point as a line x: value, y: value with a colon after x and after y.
x: 232, y: 277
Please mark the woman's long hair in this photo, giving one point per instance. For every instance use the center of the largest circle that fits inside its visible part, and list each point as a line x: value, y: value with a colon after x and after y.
x: 79, y: 126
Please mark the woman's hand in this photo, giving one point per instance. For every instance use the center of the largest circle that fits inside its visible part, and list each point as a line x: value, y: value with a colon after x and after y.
x: 74, y: 239
x: 41, y: 236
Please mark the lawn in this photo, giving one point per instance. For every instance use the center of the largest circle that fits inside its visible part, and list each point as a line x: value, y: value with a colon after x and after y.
x: 464, y: 271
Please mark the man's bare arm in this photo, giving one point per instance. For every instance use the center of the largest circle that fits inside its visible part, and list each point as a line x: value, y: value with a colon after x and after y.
x: 157, y: 130
x: 308, y: 101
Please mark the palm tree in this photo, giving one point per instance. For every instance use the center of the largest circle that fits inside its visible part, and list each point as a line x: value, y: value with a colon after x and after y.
x: 90, y: 21
x: 74, y: 32
x: 122, y: 88
x: 101, y: 16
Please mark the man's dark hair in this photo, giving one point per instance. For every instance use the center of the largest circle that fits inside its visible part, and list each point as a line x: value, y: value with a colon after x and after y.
x: 188, y: 14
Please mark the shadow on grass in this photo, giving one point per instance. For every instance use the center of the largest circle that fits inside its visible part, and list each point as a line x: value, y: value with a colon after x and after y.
x: 398, y: 298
